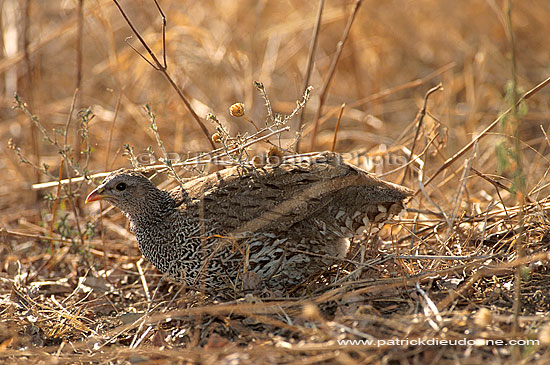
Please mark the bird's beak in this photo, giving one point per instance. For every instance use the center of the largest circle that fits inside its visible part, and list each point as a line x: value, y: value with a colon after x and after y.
x: 96, y: 194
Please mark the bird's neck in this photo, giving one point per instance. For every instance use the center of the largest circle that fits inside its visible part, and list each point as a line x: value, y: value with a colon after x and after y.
x: 151, y: 209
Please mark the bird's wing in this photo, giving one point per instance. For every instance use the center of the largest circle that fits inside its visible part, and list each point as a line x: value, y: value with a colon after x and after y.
x: 275, y: 197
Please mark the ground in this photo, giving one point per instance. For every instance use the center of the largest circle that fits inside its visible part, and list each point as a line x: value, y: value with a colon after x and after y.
x: 466, y: 264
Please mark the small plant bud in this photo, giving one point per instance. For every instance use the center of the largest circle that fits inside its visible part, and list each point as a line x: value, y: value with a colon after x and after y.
x: 216, y: 138
x: 237, y: 110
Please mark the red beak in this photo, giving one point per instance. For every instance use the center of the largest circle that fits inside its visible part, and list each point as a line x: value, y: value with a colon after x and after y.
x: 95, y: 195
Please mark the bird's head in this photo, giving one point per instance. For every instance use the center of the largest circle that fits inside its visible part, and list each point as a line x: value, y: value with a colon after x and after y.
x: 127, y: 190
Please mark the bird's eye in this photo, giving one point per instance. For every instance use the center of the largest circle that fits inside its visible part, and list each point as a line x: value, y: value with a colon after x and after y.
x: 120, y: 186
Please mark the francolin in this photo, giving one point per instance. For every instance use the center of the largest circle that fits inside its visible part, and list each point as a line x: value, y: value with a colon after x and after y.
x: 282, y: 224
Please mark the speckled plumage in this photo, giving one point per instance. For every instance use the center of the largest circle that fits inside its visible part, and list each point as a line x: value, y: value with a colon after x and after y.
x: 282, y: 223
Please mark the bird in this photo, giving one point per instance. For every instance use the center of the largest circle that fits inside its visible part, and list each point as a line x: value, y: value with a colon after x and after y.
x: 275, y: 226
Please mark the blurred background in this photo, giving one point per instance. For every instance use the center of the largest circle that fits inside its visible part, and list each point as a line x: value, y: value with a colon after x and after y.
x: 396, y: 51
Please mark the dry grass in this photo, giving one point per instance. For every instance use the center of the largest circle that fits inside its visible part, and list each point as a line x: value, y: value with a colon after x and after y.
x: 468, y: 261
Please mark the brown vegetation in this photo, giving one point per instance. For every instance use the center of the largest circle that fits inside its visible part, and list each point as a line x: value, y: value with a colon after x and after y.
x: 468, y: 261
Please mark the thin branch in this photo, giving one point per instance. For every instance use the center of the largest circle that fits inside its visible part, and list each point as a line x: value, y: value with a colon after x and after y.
x: 331, y: 72
x: 337, y: 127
x: 127, y: 40
x: 71, y: 198
x: 387, y: 92
x: 309, y: 66
x: 418, y: 121
x: 30, y: 87
x: 261, y: 88
x: 163, y: 67
x: 207, y: 158
x: 78, y: 81
x: 496, y: 184
x: 163, y: 34
x: 464, y: 149
x: 112, y: 129
x: 518, y: 173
